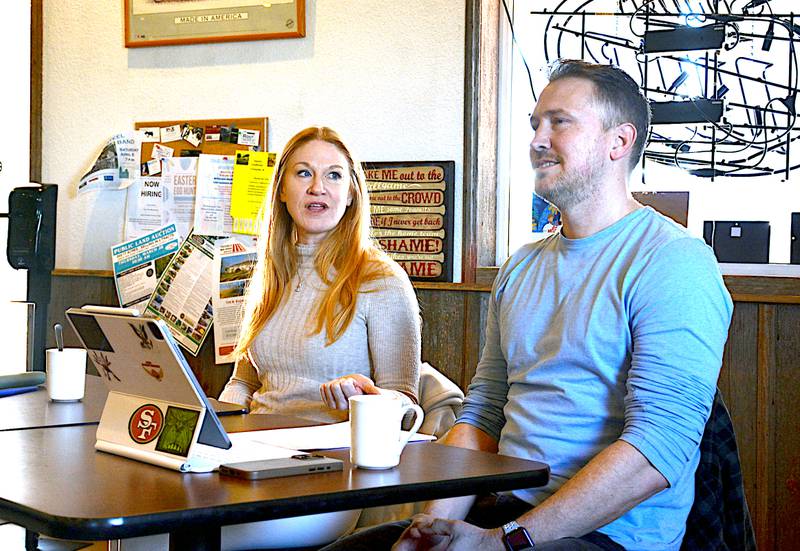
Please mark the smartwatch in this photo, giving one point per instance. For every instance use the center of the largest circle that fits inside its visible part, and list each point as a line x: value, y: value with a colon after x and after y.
x: 516, y: 537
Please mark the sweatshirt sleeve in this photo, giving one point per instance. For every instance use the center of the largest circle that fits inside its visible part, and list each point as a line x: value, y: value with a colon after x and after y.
x: 679, y: 315
x: 242, y: 385
x: 393, y: 333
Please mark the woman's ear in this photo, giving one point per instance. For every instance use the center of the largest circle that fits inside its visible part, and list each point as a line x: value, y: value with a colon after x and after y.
x: 351, y: 190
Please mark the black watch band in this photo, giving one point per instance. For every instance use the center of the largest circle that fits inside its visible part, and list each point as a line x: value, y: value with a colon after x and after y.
x: 516, y: 537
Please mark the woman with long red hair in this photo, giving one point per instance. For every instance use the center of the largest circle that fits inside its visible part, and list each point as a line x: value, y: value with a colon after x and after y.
x: 329, y: 315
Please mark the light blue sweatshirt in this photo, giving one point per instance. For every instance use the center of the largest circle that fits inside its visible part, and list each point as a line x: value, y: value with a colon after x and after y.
x: 614, y: 336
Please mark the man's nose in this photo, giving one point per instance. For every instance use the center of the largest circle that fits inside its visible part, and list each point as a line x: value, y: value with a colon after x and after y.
x: 541, y: 141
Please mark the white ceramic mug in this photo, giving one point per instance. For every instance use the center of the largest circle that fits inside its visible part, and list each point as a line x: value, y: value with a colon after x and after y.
x: 66, y: 374
x: 376, y: 440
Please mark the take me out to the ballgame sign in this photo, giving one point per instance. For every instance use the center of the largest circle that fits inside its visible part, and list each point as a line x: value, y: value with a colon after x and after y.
x: 412, y: 215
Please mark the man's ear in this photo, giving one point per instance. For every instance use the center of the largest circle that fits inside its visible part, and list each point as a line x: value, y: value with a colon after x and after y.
x: 624, y: 138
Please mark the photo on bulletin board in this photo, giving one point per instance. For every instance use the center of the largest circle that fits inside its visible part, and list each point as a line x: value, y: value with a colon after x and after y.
x: 168, y: 22
x: 411, y: 206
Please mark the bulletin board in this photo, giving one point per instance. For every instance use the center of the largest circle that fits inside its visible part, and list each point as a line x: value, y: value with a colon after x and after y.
x: 183, y: 148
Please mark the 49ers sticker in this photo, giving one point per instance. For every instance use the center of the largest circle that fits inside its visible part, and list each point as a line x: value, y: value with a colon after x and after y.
x: 145, y: 424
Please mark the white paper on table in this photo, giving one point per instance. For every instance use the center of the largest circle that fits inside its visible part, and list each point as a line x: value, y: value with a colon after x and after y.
x: 317, y: 437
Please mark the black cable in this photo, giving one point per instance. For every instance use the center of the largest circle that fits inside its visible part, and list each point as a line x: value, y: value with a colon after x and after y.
x: 521, y: 55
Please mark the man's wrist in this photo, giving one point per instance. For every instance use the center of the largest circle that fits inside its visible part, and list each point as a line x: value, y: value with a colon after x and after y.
x: 516, y: 537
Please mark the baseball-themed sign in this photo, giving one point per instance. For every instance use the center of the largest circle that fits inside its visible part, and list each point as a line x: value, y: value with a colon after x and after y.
x: 412, y: 215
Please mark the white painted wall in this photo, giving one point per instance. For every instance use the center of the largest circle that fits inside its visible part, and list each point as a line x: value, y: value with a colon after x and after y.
x: 387, y: 75
x: 15, y: 18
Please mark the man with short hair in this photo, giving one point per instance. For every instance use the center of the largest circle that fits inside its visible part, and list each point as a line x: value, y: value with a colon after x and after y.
x: 603, y: 348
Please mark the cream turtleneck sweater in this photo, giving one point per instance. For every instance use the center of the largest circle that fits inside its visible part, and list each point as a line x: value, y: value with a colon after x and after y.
x: 288, y: 365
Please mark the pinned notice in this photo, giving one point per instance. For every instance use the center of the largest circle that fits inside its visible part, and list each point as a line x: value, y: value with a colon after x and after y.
x: 252, y: 174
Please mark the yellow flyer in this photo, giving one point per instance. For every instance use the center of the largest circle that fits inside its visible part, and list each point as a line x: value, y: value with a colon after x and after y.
x: 252, y: 174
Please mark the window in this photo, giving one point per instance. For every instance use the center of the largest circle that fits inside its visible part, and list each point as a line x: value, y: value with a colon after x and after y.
x: 736, y: 168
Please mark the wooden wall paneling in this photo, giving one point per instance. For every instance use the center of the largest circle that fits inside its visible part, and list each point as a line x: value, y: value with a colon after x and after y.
x: 738, y: 382
x: 765, y: 430
x: 473, y: 331
x: 68, y: 291
x: 212, y: 377
x: 443, y: 331
x: 480, y: 135
x: 71, y: 292
x: 786, y: 411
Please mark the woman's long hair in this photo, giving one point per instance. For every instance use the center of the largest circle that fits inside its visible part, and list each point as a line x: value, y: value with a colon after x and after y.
x: 345, y: 260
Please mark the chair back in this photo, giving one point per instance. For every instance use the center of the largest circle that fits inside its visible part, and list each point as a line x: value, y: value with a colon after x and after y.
x: 719, y: 518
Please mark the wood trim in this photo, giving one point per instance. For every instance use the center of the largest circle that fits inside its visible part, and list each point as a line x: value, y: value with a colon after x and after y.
x: 770, y: 299
x: 469, y: 227
x: 486, y: 183
x: 480, y: 136
x: 771, y: 290
x: 764, y: 289
x: 765, y: 425
x: 35, y: 165
x: 433, y: 286
x: 82, y: 273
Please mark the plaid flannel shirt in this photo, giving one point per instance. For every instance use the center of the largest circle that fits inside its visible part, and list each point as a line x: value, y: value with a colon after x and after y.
x: 719, y: 518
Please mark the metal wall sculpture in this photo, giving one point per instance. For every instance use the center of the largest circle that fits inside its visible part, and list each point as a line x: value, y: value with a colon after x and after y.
x: 722, y: 76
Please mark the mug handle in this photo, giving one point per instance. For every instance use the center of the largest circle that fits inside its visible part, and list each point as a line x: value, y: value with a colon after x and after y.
x: 417, y: 424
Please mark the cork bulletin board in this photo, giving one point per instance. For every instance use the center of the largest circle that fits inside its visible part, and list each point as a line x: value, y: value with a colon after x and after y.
x: 227, y: 130
x: 411, y: 207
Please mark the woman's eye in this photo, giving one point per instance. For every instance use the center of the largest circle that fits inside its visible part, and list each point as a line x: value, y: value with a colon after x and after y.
x: 335, y: 175
x: 304, y: 173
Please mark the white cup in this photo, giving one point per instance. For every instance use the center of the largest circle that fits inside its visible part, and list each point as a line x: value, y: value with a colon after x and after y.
x: 375, y: 437
x: 66, y: 374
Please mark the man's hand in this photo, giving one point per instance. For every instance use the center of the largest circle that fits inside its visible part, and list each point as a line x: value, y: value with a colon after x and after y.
x: 336, y: 392
x: 427, y: 533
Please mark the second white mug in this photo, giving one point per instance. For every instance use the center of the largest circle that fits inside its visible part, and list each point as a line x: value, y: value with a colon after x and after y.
x: 376, y: 440
x: 66, y: 374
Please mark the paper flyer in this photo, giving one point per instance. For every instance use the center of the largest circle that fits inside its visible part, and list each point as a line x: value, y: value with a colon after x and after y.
x: 234, y: 262
x: 252, y: 174
x: 178, y: 179
x: 138, y: 263
x: 147, y: 207
x: 183, y: 294
x: 213, y: 195
x: 117, y: 165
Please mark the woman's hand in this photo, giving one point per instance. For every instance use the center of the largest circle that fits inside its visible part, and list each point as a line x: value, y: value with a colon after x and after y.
x: 336, y: 392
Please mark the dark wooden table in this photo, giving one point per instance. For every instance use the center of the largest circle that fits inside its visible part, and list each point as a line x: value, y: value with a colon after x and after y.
x: 53, y: 482
x: 35, y: 410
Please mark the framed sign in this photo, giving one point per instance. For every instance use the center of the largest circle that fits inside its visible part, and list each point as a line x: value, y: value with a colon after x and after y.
x: 166, y: 22
x: 412, y: 215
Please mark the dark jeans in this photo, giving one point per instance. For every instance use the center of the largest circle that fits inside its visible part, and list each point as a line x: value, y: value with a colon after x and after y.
x: 490, y: 511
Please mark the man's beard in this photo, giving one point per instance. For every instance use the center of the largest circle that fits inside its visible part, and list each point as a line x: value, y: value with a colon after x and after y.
x: 573, y: 187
